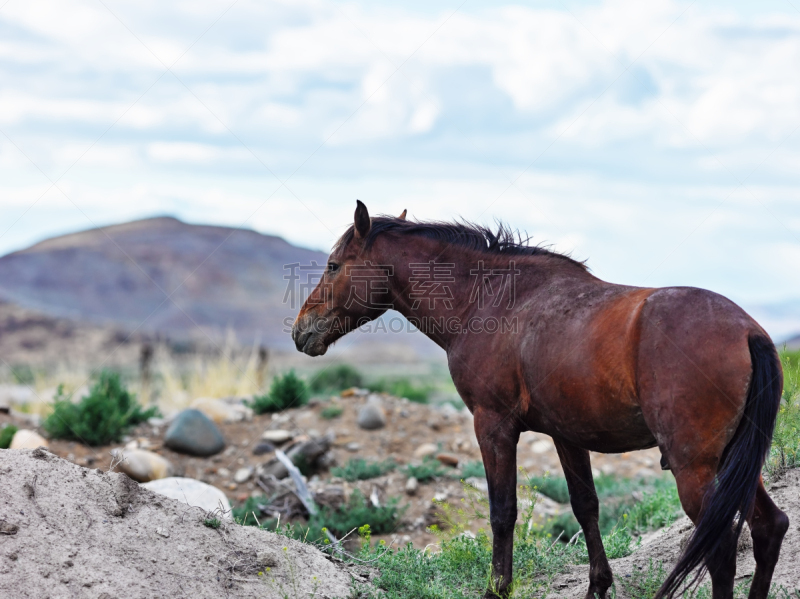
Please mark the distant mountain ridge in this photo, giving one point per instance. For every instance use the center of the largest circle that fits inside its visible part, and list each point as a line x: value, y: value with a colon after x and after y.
x: 161, y: 274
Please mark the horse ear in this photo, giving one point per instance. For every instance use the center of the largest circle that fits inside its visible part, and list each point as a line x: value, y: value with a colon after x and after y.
x: 403, y: 215
x: 361, y: 220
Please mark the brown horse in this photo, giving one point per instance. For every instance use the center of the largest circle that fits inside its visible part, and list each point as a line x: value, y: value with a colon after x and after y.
x: 535, y: 342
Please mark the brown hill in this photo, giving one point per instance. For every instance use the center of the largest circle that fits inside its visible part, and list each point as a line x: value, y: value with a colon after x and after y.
x: 163, y: 275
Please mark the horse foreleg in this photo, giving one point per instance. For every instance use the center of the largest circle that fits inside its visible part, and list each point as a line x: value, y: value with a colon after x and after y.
x: 583, y: 497
x: 498, y: 436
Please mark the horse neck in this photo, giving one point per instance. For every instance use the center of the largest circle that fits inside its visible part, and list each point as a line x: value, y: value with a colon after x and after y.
x: 432, y: 283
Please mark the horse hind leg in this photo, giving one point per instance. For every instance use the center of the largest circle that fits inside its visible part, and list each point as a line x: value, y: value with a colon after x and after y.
x: 768, y: 525
x: 583, y: 497
x: 693, y: 483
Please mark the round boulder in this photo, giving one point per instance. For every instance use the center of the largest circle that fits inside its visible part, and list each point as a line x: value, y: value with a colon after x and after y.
x: 192, y: 492
x: 143, y: 466
x: 194, y: 433
x: 371, y: 417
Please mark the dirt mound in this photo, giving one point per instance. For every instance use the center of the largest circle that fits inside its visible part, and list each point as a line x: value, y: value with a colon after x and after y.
x: 68, y: 531
x: 664, y: 547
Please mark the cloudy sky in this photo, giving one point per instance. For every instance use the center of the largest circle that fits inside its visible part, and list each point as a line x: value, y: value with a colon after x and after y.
x: 657, y: 139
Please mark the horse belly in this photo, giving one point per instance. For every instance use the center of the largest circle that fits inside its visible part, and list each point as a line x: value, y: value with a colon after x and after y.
x: 594, y: 424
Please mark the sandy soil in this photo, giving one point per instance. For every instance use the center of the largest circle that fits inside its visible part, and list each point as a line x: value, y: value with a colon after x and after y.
x: 73, y: 532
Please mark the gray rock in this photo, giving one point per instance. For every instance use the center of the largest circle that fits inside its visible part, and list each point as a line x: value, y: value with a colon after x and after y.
x: 263, y: 447
x: 191, y: 492
x: 371, y: 417
x: 194, y: 433
x: 411, y: 485
x: 353, y: 446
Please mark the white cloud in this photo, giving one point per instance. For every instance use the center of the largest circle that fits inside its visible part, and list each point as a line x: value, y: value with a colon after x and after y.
x: 636, y: 121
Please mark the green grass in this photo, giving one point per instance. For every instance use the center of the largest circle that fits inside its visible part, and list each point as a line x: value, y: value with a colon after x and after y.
x: 361, y: 469
x: 473, y: 469
x: 461, y: 568
x: 331, y: 412
x: 402, y: 387
x: 286, y: 391
x: 336, y: 378
x: 214, y: 523
x: 659, y: 507
x: 429, y: 469
x: 100, y: 418
x: 785, y: 451
x: 6, y: 434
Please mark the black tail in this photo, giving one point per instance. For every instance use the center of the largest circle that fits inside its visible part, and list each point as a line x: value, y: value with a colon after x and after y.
x: 740, y: 468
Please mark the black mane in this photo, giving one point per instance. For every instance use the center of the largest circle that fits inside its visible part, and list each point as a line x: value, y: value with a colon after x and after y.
x: 465, y: 234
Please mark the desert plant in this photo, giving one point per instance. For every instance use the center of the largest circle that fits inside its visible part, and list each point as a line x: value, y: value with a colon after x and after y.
x: 6, y: 434
x: 99, y: 418
x: 336, y: 378
x: 361, y: 469
x: 331, y: 412
x: 287, y: 391
x: 357, y: 512
x: 473, y: 469
x: 429, y: 469
x: 402, y: 387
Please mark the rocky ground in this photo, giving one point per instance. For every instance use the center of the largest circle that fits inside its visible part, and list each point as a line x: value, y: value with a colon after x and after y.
x: 409, y: 430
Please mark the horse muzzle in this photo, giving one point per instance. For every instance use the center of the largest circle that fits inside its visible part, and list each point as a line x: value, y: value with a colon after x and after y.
x: 308, y: 334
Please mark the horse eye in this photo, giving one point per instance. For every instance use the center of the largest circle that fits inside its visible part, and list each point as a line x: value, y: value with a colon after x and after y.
x: 332, y: 267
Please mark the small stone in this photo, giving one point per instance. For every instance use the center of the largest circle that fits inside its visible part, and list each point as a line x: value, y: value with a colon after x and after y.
x: 448, y: 459
x: 637, y: 496
x: 232, y: 487
x: 192, y: 432
x: 277, y: 436
x: 263, y: 447
x: 143, y: 466
x: 223, y: 472
x: 354, y: 392
x: 7, y: 528
x: 162, y: 532
x: 352, y: 446
x: 192, y: 492
x: 425, y: 450
x: 243, y: 475
x: 27, y: 439
x: 435, y: 423
x: 411, y: 486
x: 371, y: 417
x: 267, y: 558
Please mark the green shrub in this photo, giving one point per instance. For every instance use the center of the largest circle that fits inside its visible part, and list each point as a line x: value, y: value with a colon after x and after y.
x: 100, y: 418
x: 360, y: 469
x: 475, y: 469
x: 336, y: 378
x: 286, y: 391
x: 331, y: 412
x: 554, y: 487
x: 402, y: 388
x: 212, y: 522
x: 357, y: 512
x: 429, y: 469
x: 6, y: 434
